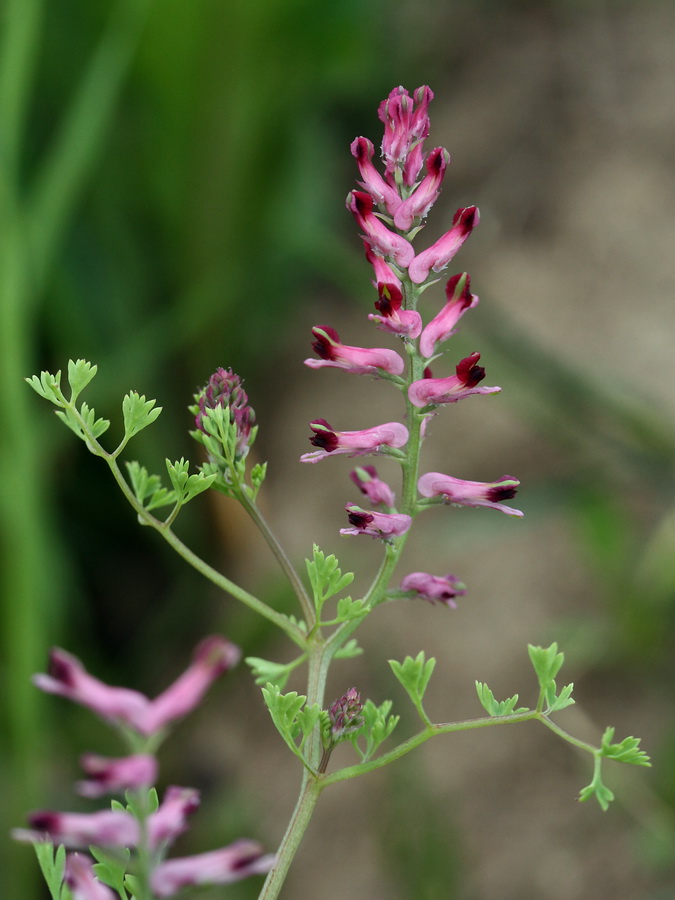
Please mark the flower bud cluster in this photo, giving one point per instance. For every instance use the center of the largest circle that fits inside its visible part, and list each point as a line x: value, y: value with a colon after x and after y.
x: 390, y: 208
x: 144, y: 827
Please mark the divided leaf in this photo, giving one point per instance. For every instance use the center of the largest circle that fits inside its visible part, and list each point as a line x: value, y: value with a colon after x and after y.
x: 138, y: 413
x: 497, y: 707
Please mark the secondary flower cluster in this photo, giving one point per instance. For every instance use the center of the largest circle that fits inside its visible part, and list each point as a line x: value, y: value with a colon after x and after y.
x: 143, y: 722
x: 389, y: 210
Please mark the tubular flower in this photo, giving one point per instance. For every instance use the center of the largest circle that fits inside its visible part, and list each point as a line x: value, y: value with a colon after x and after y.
x: 170, y: 820
x: 470, y: 493
x: 402, y: 322
x: 357, y: 360
x: 382, y: 193
x: 80, y: 878
x: 224, y: 866
x: 376, y: 524
x: 224, y: 389
x: 377, y: 491
x: 436, y: 257
x: 442, y: 326
x: 112, y: 776
x: 426, y: 193
x: 354, y: 443
x: 375, y: 232
x: 406, y: 125
x: 104, y: 828
x: 434, y: 588
x: 434, y: 391
x: 68, y: 678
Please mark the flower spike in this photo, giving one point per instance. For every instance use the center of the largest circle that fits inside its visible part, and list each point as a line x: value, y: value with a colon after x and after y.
x: 470, y: 493
x: 434, y: 391
x: 356, y: 360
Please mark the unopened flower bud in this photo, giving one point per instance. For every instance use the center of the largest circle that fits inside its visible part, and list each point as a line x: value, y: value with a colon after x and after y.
x: 224, y: 389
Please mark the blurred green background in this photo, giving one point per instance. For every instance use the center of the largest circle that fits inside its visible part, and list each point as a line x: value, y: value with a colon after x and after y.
x: 172, y: 183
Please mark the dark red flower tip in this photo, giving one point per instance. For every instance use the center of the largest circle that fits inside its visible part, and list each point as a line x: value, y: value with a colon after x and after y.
x: 389, y: 300
x: 468, y: 372
x: 451, y: 287
x: 496, y: 494
x: 466, y: 218
x: 359, y: 519
x: 325, y: 337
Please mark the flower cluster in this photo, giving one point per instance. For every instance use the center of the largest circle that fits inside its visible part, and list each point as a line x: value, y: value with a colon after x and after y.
x: 145, y: 826
x: 390, y: 208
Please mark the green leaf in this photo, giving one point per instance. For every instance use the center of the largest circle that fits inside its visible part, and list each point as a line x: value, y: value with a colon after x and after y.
x: 53, y: 866
x: 276, y: 673
x: 325, y: 577
x: 562, y: 700
x: 350, y: 649
x: 148, y: 487
x: 258, y: 473
x: 284, y: 709
x: 178, y: 474
x: 348, y: 609
x: 414, y: 674
x: 80, y: 373
x: 138, y: 413
x: 378, y: 725
x: 627, y: 751
x: 111, y: 867
x: 497, y: 707
x: 546, y: 662
x: 597, y: 788
x: 48, y: 386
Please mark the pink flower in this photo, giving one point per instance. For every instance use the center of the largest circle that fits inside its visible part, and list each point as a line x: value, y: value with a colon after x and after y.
x: 436, y: 257
x: 434, y: 391
x: 354, y: 443
x: 112, y: 776
x: 104, y: 828
x: 426, y: 193
x: 80, y: 878
x: 170, y: 820
x: 406, y: 125
x: 403, y: 322
x: 375, y: 232
x: 67, y: 677
x: 212, y: 656
x: 470, y: 493
x: 376, y: 524
x: 434, y: 588
x: 377, y: 491
x: 442, y: 326
x: 382, y: 193
x: 357, y: 360
x: 224, y: 866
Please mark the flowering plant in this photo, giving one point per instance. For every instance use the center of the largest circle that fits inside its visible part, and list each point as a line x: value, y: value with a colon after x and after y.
x: 129, y: 843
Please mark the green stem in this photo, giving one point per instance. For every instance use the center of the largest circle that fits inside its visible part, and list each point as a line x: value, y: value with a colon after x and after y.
x: 309, y: 794
x: 450, y: 728
x: 289, y: 570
